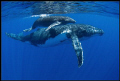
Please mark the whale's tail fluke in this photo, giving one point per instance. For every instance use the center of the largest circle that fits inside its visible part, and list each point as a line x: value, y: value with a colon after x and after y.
x: 15, y: 36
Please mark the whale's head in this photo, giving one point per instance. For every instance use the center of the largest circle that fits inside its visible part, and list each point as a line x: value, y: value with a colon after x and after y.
x: 69, y: 20
x: 86, y: 31
x: 93, y: 31
x: 98, y: 31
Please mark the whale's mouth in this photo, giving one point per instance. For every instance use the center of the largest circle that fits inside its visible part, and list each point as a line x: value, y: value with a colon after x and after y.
x: 99, y: 32
x: 73, y: 21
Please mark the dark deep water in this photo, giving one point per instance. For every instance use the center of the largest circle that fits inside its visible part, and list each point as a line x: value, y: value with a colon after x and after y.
x: 21, y: 61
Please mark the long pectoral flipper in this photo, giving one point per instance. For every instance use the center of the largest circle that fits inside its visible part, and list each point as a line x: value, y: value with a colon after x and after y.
x: 78, y: 48
x: 27, y: 30
x: 52, y: 25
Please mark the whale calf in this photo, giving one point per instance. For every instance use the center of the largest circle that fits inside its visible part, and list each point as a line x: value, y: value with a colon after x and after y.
x: 59, y: 34
x: 50, y: 21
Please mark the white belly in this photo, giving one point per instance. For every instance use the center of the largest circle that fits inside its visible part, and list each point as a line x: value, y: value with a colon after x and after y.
x: 55, y: 41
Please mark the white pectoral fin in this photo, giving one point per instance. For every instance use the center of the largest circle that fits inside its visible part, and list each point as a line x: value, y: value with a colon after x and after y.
x: 78, y: 48
x: 52, y: 25
x: 27, y: 30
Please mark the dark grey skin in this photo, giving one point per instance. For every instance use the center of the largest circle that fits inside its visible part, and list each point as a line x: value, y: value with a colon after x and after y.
x: 50, y: 21
x: 72, y: 31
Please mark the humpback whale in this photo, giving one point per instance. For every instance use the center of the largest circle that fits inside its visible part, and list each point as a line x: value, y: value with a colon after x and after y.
x: 50, y: 21
x: 60, y: 34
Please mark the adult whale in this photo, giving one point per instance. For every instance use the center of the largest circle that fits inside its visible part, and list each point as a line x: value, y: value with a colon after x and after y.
x: 60, y: 34
x: 50, y: 21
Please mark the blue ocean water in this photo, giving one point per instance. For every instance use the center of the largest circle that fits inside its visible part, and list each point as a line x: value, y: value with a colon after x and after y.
x: 21, y: 61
